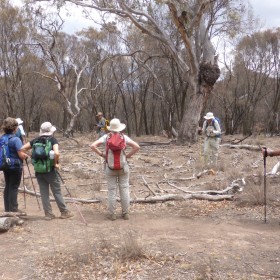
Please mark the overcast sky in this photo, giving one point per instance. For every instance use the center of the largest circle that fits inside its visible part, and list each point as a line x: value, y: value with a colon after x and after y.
x: 268, y: 11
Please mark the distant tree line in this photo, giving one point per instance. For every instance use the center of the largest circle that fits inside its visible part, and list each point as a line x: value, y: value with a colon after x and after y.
x: 150, y: 81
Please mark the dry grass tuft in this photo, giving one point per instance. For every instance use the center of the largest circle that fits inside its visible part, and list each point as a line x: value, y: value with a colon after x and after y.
x: 131, y: 247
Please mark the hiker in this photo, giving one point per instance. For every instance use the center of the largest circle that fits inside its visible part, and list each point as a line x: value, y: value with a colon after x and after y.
x: 117, y: 169
x: 270, y: 153
x: 13, y: 173
x: 20, y: 131
x: 212, y: 131
x: 46, y: 170
x: 101, y: 125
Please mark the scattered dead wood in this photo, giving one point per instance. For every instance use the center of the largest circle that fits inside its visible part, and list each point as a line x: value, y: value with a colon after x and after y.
x: 155, y: 143
x: 12, y: 214
x: 237, y: 141
x: 176, y: 197
x: 244, y: 146
x: 5, y: 224
x: 10, y: 219
x: 147, y: 185
x: 211, y: 195
x: 66, y: 199
x: 207, y: 171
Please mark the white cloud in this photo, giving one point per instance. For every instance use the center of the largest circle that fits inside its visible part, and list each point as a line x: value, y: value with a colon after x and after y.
x: 268, y: 11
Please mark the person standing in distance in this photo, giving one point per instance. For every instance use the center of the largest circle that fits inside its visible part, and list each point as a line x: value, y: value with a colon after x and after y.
x: 50, y: 179
x: 117, y: 178
x: 20, y: 131
x: 101, y: 125
x: 212, y: 131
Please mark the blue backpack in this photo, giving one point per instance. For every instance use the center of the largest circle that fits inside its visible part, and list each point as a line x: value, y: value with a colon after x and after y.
x: 219, y: 122
x: 213, y: 121
x: 6, y: 162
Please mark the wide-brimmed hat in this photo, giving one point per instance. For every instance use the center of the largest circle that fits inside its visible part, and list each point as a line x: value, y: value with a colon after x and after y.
x: 209, y: 116
x: 47, y: 129
x: 19, y: 121
x: 99, y: 114
x: 116, y: 125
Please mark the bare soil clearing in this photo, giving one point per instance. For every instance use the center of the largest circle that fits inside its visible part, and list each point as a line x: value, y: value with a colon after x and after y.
x: 175, y: 239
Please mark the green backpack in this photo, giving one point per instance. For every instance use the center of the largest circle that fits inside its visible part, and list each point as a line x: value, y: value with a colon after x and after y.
x: 40, y: 155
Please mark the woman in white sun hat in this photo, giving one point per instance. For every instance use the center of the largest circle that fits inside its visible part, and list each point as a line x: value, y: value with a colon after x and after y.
x: 49, y: 178
x: 212, y: 131
x: 117, y: 169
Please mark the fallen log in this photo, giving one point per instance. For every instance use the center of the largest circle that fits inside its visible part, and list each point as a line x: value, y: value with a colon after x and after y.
x: 66, y: 199
x: 154, y: 143
x: 177, y: 197
x: 247, y: 147
x: 5, y: 224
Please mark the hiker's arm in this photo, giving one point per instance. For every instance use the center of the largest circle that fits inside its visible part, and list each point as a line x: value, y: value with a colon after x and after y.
x: 94, y: 147
x: 26, y: 147
x: 56, y: 156
x: 270, y: 152
x: 22, y: 152
x: 135, y: 148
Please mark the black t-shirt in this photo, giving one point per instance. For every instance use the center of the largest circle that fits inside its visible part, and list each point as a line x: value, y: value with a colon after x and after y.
x: 51, y: 138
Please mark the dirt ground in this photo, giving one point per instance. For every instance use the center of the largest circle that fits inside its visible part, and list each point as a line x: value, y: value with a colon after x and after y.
x: 175, y: 238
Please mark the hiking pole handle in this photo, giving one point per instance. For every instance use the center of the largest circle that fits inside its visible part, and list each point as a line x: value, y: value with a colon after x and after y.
x: 264, y: 152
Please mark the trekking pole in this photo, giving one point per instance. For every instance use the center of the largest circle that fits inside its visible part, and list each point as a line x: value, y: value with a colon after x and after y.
x: 71, y: 197
x: 32, y: 183
x: 264, y: 182
x: 24, y: 194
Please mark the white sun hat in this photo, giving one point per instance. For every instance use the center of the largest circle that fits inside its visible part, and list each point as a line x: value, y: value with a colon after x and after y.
x: 19, y: 121
x: 116, y: 125
x: 47, y: 129
x: 209, y: 116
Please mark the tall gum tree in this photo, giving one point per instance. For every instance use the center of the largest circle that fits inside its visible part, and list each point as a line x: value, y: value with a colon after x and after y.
x: 66, y: 62
x: 195, y: 21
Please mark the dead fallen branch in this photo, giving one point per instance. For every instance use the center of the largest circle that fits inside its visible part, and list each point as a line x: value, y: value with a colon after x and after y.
x: 237, y: 141
x: 147, y: 185
x: 6, y: 222
x: 247, y: 147
x: 154, y: 143
x: 177, y: 197
x: 66, y: 199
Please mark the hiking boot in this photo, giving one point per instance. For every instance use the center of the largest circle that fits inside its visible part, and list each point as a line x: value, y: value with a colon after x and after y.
x: 66, y: 215
x: 112, y: 217
x: 49, y: 217
x: 125, y: 216
x: 19, y: 213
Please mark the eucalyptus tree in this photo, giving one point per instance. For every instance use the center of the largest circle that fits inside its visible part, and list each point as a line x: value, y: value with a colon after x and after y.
x: 194, y: 55
x: 256, y: 67
x: 14, y: 59
x: 66, y: 61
